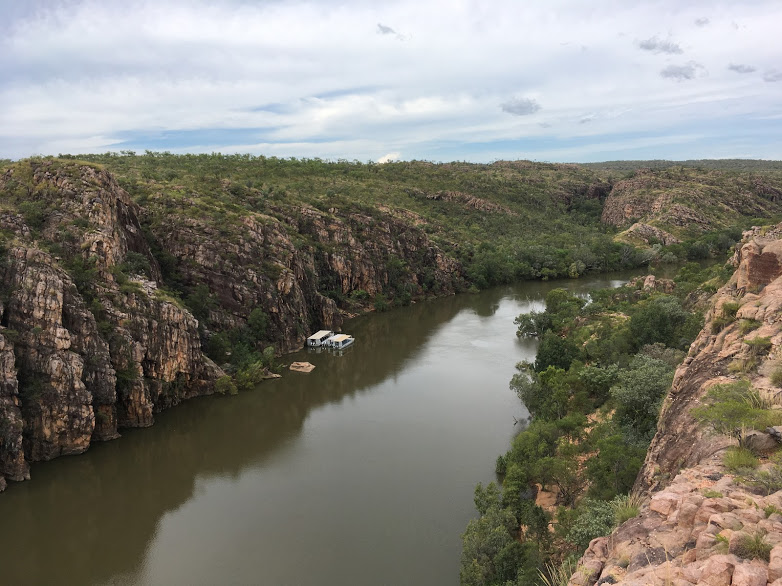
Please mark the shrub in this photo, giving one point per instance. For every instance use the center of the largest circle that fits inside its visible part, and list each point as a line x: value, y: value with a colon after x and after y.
x: 501, y: 465
x: 748, y: 325
x: 738, y: 458
x: 596, y: 519
x: 554, y: 350
x: 751, y: 547
x: 768, y: 481
x: 659, y: 320
x: 729, y: 309
x: 34, y: 213
x: 381, y: 303
x: 225, y: 385
x: 726, y: 317
x: 639, y: 392
x: 759, y: 345
x: 257, y: 322
x: 712, y: 494
x: 250, y: 376
x: 776, y: 377
x: 359, y: 295
x: 136, y: 264
x: 627, y: 507
x: 771, y: 510
x: 558, y: 575
x: 734, y: 407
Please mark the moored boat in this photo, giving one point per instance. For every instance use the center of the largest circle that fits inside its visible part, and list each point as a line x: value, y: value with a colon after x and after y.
x: 319, y: 338
x: 340, y: 341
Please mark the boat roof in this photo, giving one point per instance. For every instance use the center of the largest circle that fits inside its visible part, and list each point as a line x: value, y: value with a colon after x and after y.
x: 341, y: 337
x: 320, y: 334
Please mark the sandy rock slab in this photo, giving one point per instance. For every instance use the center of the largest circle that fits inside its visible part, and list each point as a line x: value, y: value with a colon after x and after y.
x: 302, y: 367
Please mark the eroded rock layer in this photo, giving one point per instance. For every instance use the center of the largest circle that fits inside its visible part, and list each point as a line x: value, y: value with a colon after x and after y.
x: 89, y: 344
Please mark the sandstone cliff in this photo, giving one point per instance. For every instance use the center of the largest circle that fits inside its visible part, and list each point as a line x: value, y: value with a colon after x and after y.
x: 683, y: 202
x: 692, y: 530
x: 92, y: 341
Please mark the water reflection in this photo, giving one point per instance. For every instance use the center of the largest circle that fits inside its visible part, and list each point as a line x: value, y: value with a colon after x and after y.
x: 92, y: 518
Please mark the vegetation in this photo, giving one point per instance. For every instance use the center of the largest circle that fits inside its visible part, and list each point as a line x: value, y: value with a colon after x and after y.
x: 752, y: 547
x: 735, y: 408
x: 594, y: 391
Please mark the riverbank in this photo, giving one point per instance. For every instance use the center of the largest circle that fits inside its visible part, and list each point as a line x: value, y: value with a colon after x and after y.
x: 331, y: 477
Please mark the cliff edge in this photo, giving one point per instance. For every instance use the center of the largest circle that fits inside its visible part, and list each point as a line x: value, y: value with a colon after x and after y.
x: 703, y: 524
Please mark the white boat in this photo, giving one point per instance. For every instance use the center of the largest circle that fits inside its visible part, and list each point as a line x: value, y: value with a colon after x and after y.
x: 340, y: 341
x: 319, y: 338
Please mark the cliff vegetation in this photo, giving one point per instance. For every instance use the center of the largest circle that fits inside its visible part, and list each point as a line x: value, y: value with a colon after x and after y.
x: 131, y: 282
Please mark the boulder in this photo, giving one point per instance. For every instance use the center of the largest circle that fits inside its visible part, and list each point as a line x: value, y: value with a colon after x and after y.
x: 760, y: 442
x: 750, y: 574
x: 718, y: 570
x: 302, y: 367
x: 775, y: 564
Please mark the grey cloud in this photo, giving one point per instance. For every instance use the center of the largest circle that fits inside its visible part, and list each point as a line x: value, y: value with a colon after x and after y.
x: 520, y: 106
x: 772, y: 76
x: 385, y: 30
x: 701, y: 21
x: 681, y: 72
x: 655, y: 45
x: 741, y: 68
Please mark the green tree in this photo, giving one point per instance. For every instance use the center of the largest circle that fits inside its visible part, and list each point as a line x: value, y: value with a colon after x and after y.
x: 555, y: 350
x: 638, y: 393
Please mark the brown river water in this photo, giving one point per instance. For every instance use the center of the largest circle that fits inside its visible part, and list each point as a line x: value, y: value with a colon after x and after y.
x: 359, y: 473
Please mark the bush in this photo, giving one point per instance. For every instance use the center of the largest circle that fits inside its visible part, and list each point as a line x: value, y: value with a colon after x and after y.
x: 768, y: 481
x: 734, y: 407
x: 759, y: 345
x: 596, y: 519
x: 225, y: 385
x: 626, y: 507
x: 737, y: 459
x: 748, y: 325
x: 613, y: 468
x: 729, y: 309
x: 555, y: 351
x: 257, y: 322
x: 776, y: 376
x: 381, y: 303
x: 753, y: 547
x: 136, y: 264
x: 34, y: 214
x: 659, y: 320
x: 250, y: 376
x: 638, y: 394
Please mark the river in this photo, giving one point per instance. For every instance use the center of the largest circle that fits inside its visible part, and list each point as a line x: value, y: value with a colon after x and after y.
x: 359, y: 473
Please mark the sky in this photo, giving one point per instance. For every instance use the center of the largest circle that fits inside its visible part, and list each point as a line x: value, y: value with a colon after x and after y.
x: 456, y: 80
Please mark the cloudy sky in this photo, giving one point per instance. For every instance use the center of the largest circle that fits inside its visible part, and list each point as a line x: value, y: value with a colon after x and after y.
x: 476, y: 80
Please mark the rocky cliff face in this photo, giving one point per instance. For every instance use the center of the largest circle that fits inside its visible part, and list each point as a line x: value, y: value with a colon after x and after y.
x: 89, y: 345
x: 685, y: 202
x: 287, y: 264
x: 692, y: 530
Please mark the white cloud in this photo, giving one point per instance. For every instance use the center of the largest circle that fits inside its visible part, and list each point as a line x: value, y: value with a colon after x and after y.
x: 389, y: 157
x: 323, y: 77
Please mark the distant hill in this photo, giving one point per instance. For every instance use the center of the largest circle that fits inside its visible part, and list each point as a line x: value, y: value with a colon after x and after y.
x: 738, y: 165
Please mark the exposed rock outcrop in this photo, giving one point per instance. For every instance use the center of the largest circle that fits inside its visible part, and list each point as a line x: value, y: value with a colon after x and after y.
x: 692, y: 532
x: 757, y: 286
x: 85, y: 361
x: 695, y: 528
x: 685, y: 202
x: 87, y: 346
x: 649, y: 234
